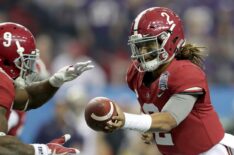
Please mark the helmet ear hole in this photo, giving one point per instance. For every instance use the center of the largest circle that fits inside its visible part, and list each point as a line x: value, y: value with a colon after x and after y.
x: 160, y: 41
x: 6, y: 62
x: 175, y: 39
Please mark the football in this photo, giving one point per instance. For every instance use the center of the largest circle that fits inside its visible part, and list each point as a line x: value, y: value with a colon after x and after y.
x: 98, y: 111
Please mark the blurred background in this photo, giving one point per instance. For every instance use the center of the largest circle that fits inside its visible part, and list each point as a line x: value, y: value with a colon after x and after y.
x: 68, y: 31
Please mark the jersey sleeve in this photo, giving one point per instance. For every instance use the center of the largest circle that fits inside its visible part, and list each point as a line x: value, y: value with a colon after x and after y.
x: 6, y: 92
x: 188, y: 79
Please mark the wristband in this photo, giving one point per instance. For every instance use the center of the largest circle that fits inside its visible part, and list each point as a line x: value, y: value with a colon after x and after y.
x: 40, y: 149
x: 2, y: 134
x: 55, y: 81
x: 140, y: 123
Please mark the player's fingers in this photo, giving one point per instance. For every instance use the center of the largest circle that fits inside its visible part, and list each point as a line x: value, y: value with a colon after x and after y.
x: 118, y: 118
x: 74, y: 151
x: 82, y: 64
x: 62, y: 139
x: 82, y: 67
x: 147, y: 142
x: 78, y: 66
x: 67, y: 137
x: 109, y: 129
x: 70, y: 69
x: 147, y: 138
x: 114, y: 124
x: 87, y: 68
x: 144, y: 135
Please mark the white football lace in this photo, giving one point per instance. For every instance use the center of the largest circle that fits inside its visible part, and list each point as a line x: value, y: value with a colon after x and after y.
x: 107, y: 116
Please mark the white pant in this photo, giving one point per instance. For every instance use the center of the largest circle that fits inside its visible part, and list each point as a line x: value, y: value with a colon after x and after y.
x: 225, y: 147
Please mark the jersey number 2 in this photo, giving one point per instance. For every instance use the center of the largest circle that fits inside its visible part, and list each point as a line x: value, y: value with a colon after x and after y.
x: 160, y: 138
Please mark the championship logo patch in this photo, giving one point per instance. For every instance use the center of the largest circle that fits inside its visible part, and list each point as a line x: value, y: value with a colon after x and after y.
x: 162, y: 84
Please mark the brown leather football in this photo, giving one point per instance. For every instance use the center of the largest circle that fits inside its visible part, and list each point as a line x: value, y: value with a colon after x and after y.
x: 98, y: 111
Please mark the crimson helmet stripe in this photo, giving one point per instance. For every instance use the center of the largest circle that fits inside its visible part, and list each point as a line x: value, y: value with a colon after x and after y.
x: 138, y: 18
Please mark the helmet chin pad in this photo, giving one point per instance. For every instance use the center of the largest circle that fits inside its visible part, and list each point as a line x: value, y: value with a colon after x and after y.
x: 150, y: 65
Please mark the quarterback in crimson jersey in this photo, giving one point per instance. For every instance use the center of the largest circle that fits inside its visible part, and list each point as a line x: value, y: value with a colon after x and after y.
x: 166, y: 75
x: 201, y: 129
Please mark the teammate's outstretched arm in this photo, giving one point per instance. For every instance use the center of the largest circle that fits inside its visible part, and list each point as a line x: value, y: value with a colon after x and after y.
x: 38, y: 93
x: 10, y: 145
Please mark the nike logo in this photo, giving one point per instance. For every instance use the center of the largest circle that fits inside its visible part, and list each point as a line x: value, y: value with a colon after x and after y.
x: 160, y: 94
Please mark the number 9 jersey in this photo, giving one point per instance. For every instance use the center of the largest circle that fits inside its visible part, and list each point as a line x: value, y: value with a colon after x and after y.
x: 201, y: 129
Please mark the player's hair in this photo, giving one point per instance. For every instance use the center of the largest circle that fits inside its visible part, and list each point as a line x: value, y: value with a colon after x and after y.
x: 193, y: 53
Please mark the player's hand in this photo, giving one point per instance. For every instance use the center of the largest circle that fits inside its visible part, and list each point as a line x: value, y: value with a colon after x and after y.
x: 147, y: 137
x: 56, y: 148
x: 69, y: 73
x: 117, y: 122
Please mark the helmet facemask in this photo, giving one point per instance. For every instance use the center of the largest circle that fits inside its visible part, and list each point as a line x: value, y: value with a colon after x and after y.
x: 155, y: 46
x: 26, y: 64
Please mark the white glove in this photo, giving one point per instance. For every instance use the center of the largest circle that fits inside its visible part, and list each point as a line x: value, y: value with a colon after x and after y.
x: 69, y: 73
x: 55, y: 147
x: 2, y: 134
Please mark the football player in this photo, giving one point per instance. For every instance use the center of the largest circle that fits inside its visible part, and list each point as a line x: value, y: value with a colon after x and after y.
x: 18, y: 54
x: 171, y: 87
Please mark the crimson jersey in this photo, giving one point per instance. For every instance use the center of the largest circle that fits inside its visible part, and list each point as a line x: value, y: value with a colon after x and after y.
x: 7, y: 92
x: 201, y: 129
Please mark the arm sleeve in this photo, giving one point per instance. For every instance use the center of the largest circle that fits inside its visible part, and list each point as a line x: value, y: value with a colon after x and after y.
x: 179, y: 106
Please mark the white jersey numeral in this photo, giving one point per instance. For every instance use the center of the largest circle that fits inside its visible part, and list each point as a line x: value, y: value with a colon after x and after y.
x: 164, y: 14
x: 8, y: 38
x: 166, y: 138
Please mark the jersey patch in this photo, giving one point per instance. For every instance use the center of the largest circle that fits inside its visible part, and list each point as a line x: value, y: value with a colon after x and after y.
x: 163, y: 83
